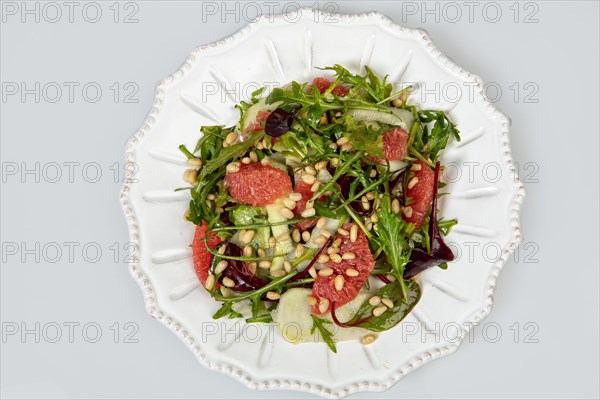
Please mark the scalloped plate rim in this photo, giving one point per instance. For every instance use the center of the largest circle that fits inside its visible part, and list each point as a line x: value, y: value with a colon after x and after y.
x: 152, y: 307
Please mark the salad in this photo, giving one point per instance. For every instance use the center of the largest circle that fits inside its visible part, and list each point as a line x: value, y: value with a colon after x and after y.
x: 318, y: 209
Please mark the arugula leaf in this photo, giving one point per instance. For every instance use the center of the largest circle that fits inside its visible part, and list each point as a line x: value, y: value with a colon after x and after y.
x: 227, y: 154
x: 446, y: 226
x: 403, y: 304
x: 274, y: 285
x: 244, y: 214
x: 392, y: 233
x: 186, y: 152
x: 363, y: 137
x: 441, y: 130
x: 290, y: 145
x: 319, y: 323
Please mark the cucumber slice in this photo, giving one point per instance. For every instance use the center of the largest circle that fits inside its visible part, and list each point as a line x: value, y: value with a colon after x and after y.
x: 282, y: 247
x: 396, y: 117
x: 294, y: 322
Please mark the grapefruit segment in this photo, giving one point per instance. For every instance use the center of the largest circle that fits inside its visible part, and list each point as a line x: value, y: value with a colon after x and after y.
x: 363, y: 263
x: 323, y: 84
x: 201, y: 256
x: 257, y: 184
x: 420, y: 191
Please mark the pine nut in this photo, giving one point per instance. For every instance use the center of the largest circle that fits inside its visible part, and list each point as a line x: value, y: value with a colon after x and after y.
x: 233, y: 167
x: 261, y: 253
x: 347, y: 147
x: 264, y: 264
x: 253, y: 156
x: 278, y: 274
x: 320, y: 240
x: 312, y: 300
x: 323, y: 119
x: 210, y: 282
x: 369, y: 225
x: 321, y: 222
x: 373, y: 173
x: 395, y: 206
x: 343, y: 232
x: 416, y: 167
x: 338, y: 282
x: 312, y: 272
x: 321, y: 165
x: 246, y: 160
x: 299, y: 250
x: 309, y: 212
x: 368, y: 339
x: 231, y: 137
x: 323, y: 258
x: 374, y: 217
x: 248, y: 236
x: 308, y: 179
x: 296, y: 236
x: 288, y: 203
x: 334, y: 162
x: 252, y: 267
x: 190, y: 176
x: 379, y: 310
x: 196, y: 162
x: 370, y: 196
x: 333, y: 250
x: 309, y: 169
x: 351, y: 272
x: 315, y: 186
x: 273, y: 295
x: 333, y: 146
x: 337, y: 242
x: 348, y: 256
x: 353, y: 233
x: 295, y: 196
x: 336, y: 258
x: 407, y: 211
x: 397, y: 103
x: 365, y: 204
x: 342, y: 141
x: 305, y: 236
x: 211, y: 197
x: 228, y: 282
x: 287, y: 266
x: 325, y: 232
x: 413, y: 181
x: 326, y: 272
x: 375, y: 300
x: 389, y: 303
x: 221, y: 265
x: 323, y: 305
x: 286, y: 213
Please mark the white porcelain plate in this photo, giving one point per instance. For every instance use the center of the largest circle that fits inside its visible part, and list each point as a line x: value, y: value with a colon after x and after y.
x: 278, y: 50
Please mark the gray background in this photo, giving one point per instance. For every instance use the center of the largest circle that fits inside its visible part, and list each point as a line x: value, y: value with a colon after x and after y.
x: 553, y: 283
